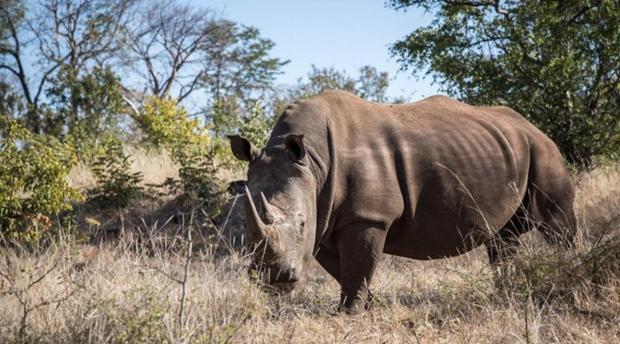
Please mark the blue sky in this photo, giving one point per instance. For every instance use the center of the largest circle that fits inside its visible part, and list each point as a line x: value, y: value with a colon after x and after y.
x: 341, y: 34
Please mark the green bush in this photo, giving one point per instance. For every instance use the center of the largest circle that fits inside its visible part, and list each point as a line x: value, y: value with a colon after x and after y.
x: 250, y: 120
x: 166, y: 125
x: 116, y: 186
x: 198, y: 182
x: 32, y: 181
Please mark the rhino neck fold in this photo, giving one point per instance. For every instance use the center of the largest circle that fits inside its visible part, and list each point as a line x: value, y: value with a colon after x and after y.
x: 326, y: 191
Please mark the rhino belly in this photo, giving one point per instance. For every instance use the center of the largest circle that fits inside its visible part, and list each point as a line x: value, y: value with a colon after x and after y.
x: 451, y: 215
x: 441, y: 239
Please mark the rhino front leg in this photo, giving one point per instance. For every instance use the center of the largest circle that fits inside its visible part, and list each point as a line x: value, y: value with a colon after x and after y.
x: 329, y: 261
x: 360, y: 248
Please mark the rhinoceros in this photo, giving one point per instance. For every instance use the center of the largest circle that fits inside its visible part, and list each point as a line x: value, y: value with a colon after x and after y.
x: 345, y: 180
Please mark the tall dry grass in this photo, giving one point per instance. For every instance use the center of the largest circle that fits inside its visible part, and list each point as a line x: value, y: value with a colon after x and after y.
x: 131, y: 290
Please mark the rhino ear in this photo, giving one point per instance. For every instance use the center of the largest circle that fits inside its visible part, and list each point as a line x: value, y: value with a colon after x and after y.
x: 242, y: 148
x: 295, y: 146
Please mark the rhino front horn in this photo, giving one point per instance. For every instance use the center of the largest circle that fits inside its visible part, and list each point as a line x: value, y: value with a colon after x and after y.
x: 255, y: 225
x: 267, y: 210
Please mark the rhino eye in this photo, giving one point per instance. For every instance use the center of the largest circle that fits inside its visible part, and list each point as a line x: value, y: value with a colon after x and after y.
x: 299, y: 230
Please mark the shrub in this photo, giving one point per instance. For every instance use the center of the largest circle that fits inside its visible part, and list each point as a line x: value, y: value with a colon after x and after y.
x: 32, y: 181
x: 197, y: 181
x: 167, y: 125
x: 256, y: 126
x: 116, y: 186
x: 249, y: 119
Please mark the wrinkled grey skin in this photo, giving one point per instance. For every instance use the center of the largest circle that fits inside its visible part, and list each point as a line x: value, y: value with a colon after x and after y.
x: 282, y: 207
x: 346, y: 180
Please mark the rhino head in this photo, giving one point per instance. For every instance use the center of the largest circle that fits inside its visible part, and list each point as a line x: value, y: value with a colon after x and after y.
x: 280, y: 208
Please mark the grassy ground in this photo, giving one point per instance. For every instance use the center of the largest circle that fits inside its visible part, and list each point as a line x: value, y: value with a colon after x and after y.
x: 146, y: 288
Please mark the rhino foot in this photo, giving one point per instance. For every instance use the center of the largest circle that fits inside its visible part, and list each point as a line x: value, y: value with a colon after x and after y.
x: 355, y: 304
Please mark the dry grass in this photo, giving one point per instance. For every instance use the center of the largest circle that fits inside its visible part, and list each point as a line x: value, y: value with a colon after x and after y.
x: 155, y: 167
x: 132, y: 290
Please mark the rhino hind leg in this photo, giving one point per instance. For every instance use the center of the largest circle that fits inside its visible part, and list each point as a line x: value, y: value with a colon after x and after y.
x: 550, y: 210
x: 552, y: 196
x: 503, y: 245
x: 555, y: 216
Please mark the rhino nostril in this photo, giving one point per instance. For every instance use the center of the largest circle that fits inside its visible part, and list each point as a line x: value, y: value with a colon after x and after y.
x: 293, y: 275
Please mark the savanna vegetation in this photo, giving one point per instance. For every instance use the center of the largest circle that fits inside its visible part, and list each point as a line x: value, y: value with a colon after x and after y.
x: 115, y: 221
x: 555, y: 62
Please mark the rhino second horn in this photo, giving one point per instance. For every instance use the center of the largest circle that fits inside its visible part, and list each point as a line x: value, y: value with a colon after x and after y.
x: 267, y: 210
x: 253, y: 220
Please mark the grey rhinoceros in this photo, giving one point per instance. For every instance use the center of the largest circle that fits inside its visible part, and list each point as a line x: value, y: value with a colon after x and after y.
x: 345, y: 180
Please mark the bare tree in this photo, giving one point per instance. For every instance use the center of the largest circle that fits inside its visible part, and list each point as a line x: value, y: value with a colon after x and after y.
x: 243, y: 66
x: 71, y: 34
x: 167, y: 44
x: 11, y: 24
x: 163, y: 49
x: 177, y: 50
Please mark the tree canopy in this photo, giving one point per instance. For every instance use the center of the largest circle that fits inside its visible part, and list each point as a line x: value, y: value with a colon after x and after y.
x: 555, y: 62
x: 77, y: 67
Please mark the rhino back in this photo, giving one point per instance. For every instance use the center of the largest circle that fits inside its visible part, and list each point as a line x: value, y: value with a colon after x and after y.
x: 432, y: 173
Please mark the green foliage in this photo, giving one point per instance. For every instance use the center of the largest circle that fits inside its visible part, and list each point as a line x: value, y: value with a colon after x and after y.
x: 117, y: 187
x: 166, y: 125
x: 256, y: 125
x: 198, y: 182
x: 251, y: 122
x: 11, y: 16
x: 10, y: 103
x: 369, y: 84
x: 556, y: 62
x: 87, y: 106
x: 15, y: 11
x: 32, y: 181
x: 244, y: 73
x: 243, y: 67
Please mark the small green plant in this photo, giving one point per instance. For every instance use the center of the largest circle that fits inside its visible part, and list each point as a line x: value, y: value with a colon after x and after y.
x: 197, y: 181
x: 32, y: 181
x: 117, y: 187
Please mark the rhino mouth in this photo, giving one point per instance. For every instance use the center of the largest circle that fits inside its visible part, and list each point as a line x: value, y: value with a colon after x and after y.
x: 281, y: 281
x: 276, y: 287
x: 277, y: 281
